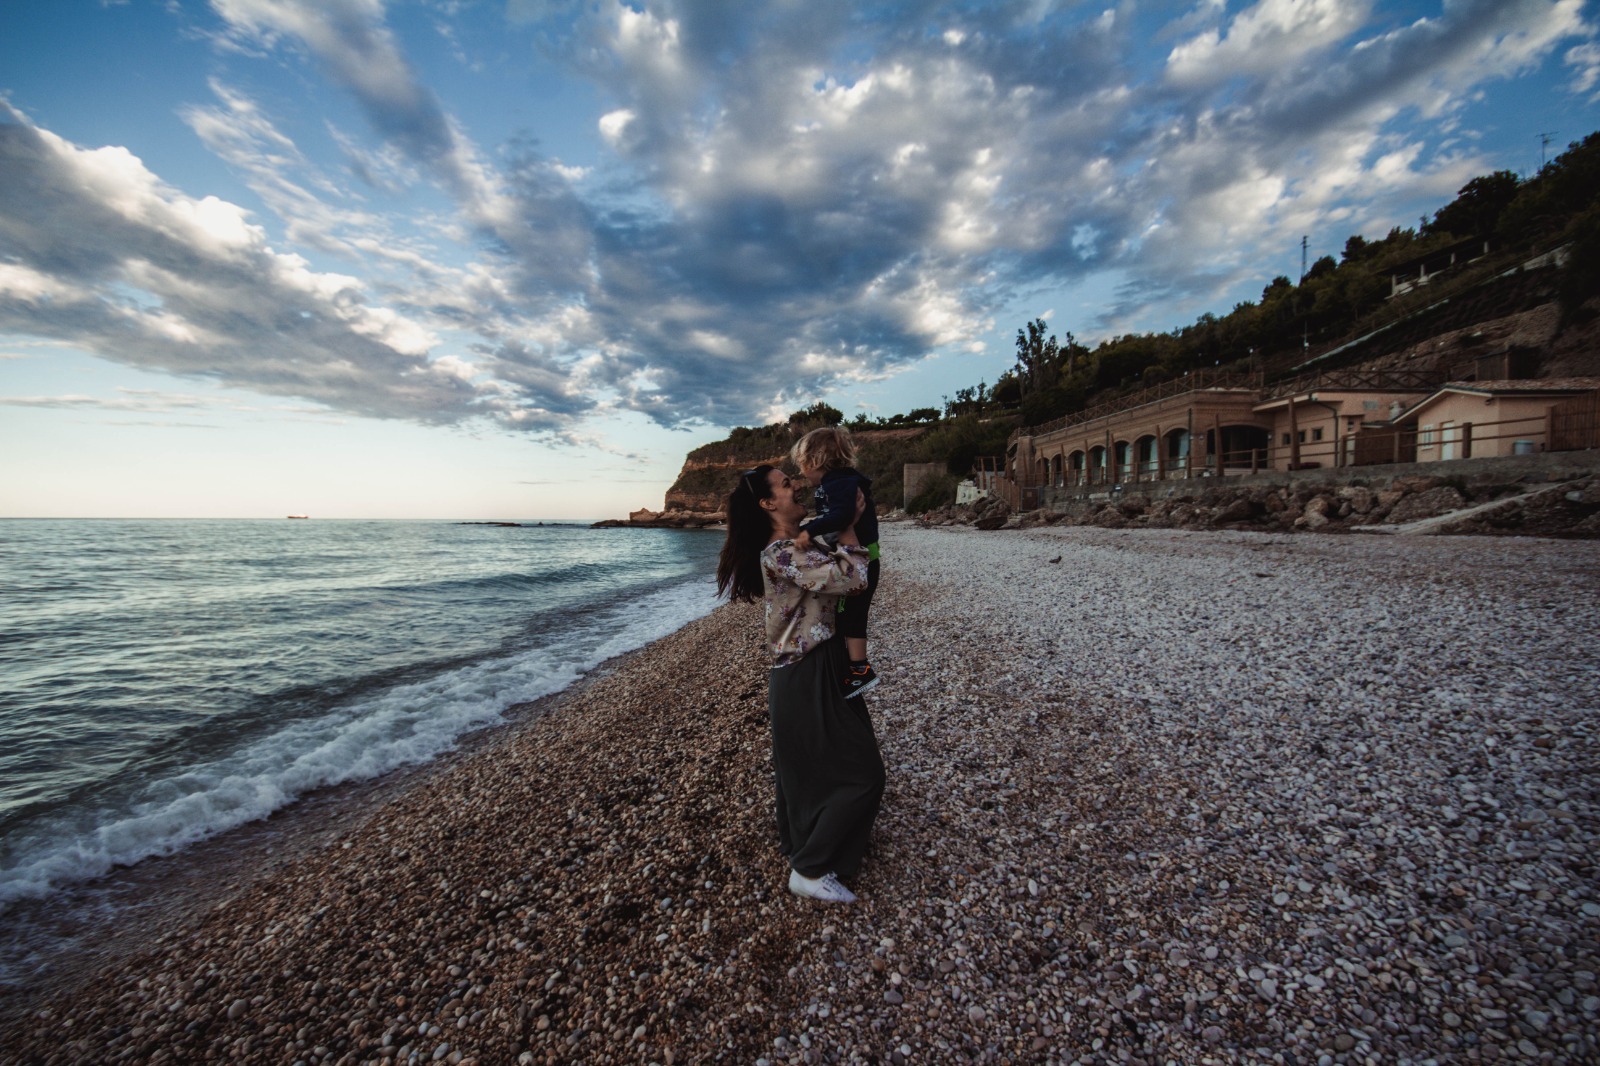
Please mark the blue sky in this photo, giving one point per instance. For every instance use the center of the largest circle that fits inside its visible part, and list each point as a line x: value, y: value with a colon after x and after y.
x: 442, y: 258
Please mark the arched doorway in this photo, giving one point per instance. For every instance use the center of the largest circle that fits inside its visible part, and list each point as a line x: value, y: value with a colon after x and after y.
x: 1177, y: 451
x: 1145, y: 450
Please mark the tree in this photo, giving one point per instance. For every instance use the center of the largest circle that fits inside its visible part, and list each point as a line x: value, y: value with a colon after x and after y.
x: 1567, y: 186
x: 1580, y: 278
x: 1478, y: 205
x: 818, y: 414
x: 1038, y: 357
x: 1321, y: 268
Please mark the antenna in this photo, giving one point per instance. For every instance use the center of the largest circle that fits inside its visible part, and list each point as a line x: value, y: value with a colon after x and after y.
x: 1544, y: 143
x: 1303, y: 259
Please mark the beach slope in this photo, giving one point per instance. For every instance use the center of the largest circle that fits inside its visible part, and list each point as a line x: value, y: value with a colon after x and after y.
x: 1152, y: 796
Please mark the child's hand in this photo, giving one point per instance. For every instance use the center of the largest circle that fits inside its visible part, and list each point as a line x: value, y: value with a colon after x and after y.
x: 803, y: 541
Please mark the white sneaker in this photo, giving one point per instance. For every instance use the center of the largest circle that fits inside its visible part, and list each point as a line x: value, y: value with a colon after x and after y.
x: 826, y: 888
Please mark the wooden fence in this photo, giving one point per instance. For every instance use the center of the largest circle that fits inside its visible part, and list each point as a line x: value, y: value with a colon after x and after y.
x: 1575, y: 423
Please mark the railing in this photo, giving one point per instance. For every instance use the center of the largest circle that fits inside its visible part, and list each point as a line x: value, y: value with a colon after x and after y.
x: 1192, y: 382
x: 1566, y: 426
x: 1396, y: 380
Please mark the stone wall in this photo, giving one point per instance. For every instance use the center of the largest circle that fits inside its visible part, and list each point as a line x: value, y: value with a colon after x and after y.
x: 1551, y: 495
x: 914, y: 476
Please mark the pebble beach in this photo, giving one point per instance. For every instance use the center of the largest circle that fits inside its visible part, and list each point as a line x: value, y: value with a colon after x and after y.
x: 1153, y: 797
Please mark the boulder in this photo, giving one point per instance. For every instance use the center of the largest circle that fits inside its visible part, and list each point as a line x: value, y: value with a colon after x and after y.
x: 1241, y: 509
x: 1414, y: 484
x: 1426, y: 504
x: 1360, y: 498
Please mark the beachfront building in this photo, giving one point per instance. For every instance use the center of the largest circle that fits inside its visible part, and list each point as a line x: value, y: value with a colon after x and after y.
x: 1191, y: 427
x: 1213, y: 424
x: 1477, y: 419
x: 1318, y: 421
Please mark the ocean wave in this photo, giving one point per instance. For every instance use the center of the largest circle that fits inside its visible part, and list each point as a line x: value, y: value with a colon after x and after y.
x: 375, y: 733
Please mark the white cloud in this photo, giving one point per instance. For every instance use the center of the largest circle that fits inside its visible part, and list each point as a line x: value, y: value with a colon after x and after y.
x: 614, y: 125
x: 1267, y: 37
x: 1584, y: 59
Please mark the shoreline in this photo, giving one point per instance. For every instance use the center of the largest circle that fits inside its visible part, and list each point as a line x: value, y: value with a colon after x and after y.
x: 161, y: 894
x: 1151, y: 794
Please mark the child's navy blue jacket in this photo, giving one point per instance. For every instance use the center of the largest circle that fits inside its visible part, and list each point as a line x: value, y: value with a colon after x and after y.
x: 836, y: 506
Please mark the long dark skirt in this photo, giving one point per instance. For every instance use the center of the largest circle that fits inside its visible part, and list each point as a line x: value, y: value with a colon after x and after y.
x: 829, y: 773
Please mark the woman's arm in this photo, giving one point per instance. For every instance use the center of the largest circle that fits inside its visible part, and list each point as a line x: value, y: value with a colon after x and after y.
x: 835, y: 573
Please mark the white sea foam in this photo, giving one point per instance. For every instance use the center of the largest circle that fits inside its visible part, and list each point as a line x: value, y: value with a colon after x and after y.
x: 400, y: 726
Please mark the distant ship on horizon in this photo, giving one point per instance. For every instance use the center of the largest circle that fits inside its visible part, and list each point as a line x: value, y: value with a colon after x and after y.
x: 299, y: 516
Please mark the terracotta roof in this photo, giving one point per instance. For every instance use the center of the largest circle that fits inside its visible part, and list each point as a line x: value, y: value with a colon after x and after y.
x: 1527, y: 385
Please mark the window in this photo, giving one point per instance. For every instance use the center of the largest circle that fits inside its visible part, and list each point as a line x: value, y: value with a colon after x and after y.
x: 1425, y: 437
x: 1286, y: 438
x: 1302, y: 436
x: 1316, y: 434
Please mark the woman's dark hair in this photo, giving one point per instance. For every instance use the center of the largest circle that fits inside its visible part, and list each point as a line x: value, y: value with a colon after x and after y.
x: 749, y: 531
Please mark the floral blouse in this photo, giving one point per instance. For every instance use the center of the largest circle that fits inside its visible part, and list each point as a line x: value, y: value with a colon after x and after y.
x: 801, y: 591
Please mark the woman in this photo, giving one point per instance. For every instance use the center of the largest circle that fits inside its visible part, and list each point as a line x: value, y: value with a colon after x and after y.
x: 824, y: 754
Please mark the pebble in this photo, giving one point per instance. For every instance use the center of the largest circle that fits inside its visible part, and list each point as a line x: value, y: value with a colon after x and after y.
x: 1131, y: 816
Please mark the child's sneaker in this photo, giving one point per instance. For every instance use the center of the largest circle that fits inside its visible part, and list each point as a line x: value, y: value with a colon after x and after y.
x: 859, y: 679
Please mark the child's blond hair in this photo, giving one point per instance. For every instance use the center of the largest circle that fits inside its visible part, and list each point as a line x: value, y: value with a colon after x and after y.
x: 828, y: 448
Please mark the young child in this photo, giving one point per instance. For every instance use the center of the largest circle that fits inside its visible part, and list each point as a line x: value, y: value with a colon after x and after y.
x: 826, y: 458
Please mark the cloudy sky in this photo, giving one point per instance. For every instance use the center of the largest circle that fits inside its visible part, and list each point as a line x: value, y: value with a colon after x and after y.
x: 512, y: 259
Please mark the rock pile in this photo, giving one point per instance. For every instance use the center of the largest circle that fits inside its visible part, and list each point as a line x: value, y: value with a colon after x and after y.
x: 646, y: 519
x: 1569, y: 509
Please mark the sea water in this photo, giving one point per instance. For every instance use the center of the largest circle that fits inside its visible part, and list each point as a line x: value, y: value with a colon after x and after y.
x: 165, y: 681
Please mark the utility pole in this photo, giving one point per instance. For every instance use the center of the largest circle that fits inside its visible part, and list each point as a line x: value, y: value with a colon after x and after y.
x: 1305, y: 325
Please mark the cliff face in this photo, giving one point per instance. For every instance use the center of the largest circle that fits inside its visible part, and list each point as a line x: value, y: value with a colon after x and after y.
x: 702, y: 483
x: 711, y: 471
